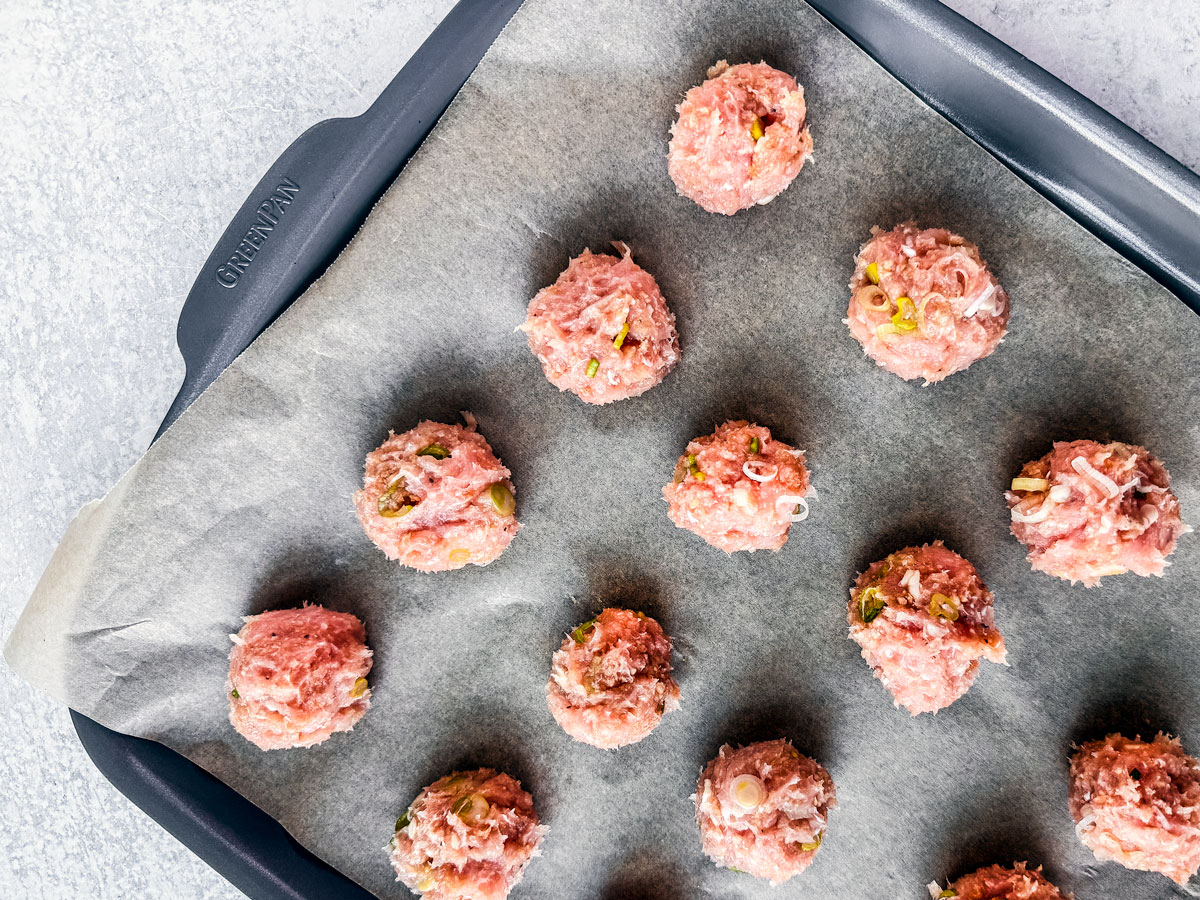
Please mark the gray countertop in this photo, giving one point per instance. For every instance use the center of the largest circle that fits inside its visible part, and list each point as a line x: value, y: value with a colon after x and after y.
x: 129, y: 140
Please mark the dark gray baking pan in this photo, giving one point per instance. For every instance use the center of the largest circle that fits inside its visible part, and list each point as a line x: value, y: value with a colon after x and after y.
x: 314, y: 197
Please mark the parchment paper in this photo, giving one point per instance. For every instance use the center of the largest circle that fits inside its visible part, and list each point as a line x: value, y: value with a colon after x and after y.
x: 557, y: 143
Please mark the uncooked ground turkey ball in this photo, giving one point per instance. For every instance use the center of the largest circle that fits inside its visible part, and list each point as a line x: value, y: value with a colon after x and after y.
x: 468, y: 836
x: 923, y: 303
x: 924, y: 619
x: 437, y: 498
x: 739, y: 488
x: 740, y: 138
x: 1000, y: 883
x: 610, y: 682
x: 763, y: 809
x: 603, y: 330
x: 1138, y: 803
x: 298, y: 675
x: 1086, y: 510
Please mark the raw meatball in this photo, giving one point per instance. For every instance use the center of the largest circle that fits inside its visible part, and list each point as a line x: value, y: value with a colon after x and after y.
x: 603, y: 330
x: 298, y: 675
x: 1000, y: 883
x: 763, y: 809
x: 924, y: 304
x: 924, y: 620
x: 1138, y: 803
x: 437, y: 498
x: 739, y: 488
x: 468, y: 836
x: 1086, y: 510
x: 610, y: 683
x: 740, y: 137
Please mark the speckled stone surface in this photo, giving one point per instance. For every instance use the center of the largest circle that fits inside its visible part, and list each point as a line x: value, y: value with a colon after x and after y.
x: 128, y: 141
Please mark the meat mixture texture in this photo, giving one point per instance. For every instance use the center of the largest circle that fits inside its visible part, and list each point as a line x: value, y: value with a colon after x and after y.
x: 610, y: 682
x: 739, y: 488
x: 923, y: 303
x: 1086, y: 510
x: 298, y: 675
x: 1000, y: 883
x: 436, y: 498
x: 739, y: 138
x: 603, y: 330
x: 924, y: 620
x: 467, y: 836
x: 763, y: 809
x: 1137, y: 803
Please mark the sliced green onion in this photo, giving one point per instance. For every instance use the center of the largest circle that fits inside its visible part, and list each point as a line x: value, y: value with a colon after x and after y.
x: 396, y: 501
x: 502, y: 499
x: 471, y: 808
x: 872, y: 273
x: 756, y: 129
x: 580, y: 634
x: 905, y: 317
x: 1030, y: 484
x: 814, y: 844
x: 402, y: 822
x: 870, y: 604
x: 947, y: 894
x: 694, y: 467
x: 360, y: 688
x: 754, y: 444
x: 943, y: 607
x: 593, y: 367
x: 437, y: 451
x: 620, y: 338
x: 235, y: 695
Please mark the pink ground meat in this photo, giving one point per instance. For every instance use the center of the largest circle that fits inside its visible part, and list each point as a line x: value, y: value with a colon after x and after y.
x: 603, y: 330
x: 298, y: 675
x: 924, y: 304
x: 1138, y: 803
x: 610, y: 682
x: 740, y: 138
x: 763, y: 809
x: 1086, y: 510
x: 924, y: 619
x: 436, y: 498
x: 468, y: 836
x: 739, y: 488
x: 1000, y: 883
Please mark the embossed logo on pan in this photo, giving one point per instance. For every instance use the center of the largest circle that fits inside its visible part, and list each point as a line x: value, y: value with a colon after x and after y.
x: 269, y: 213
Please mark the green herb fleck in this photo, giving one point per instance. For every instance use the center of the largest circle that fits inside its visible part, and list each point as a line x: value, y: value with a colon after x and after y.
x: 437, y: 451
x: 754, y: 445
x: 402, y: 822
x: 235, y: 695
x: 593, y: 367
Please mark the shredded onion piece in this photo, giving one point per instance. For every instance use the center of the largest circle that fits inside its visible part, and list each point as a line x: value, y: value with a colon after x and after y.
x: 1149, y: 487
x: 1083, y: 467
x: 912, y: 581
x: 983, y: 298
x: 1059, y: 493
x: 935, y: 890
x: 469, y: 419
x: 1084, y: 823
x: 623, y: 249
x: 748, y: 470
x: 1030, y: 484
x: 908, y: 251
x: 237, y: 639
x: 1149, y: 514
x: 792, y: 501
x: 1041, y: 515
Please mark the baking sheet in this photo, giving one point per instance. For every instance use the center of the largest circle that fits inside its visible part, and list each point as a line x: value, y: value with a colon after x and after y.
x: 557, y: 143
